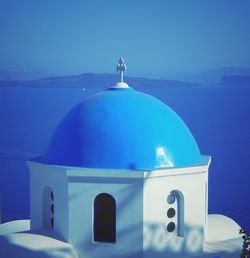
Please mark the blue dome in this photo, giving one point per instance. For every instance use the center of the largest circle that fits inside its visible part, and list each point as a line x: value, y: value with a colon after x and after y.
x: 122, y: 129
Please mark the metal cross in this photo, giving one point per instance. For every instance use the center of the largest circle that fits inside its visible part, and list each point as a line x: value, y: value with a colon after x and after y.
x: 121, y: 67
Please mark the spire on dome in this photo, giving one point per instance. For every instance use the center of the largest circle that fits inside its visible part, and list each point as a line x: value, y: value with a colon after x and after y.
x: 121, y: 67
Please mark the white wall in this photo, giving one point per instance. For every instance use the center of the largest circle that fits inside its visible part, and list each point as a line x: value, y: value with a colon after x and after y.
x: 42, y: 176
x: 127, y: 193
x: 191, y: 182
x: 141, y: 202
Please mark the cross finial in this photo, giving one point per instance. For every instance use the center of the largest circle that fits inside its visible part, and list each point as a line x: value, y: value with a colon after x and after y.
x: 121, y: 67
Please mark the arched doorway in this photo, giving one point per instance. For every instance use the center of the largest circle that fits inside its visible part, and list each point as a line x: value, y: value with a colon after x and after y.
x: 104, y: 218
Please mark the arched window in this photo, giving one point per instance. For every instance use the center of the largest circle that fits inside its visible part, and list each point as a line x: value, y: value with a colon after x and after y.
x: 48, y: 208
x: 175, y: 213
x: 104, y: 218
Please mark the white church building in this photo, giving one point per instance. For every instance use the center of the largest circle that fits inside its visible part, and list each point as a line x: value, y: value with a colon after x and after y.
x: 122, y: 177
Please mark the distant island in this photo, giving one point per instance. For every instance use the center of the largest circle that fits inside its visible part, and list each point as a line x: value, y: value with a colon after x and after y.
x: 93, y: 81
x: 237, y: 80
x: 223, y: 76
x: 13, y: 75
x: 214, y: 76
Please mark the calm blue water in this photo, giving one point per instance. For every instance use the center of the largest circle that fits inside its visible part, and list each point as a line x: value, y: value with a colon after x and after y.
x: 217, y: 116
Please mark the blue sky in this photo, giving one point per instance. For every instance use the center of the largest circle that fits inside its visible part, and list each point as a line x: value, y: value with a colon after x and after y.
x: 156, y: 37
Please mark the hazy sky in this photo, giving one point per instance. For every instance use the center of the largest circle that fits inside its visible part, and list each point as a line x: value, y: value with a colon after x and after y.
x: 156, y: 37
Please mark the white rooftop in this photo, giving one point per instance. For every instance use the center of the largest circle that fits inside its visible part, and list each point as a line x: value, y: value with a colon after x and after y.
x: 17, y: 241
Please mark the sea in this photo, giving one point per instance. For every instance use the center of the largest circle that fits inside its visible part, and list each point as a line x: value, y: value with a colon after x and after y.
x: 217, y: 115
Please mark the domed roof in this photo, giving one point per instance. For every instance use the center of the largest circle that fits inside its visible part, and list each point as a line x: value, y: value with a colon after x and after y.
x: 122, y: 128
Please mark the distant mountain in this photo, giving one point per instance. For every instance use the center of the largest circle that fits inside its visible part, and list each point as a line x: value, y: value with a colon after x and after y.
x: 37, y: 79
x: 214, y: 76
x: 237, y: 80
x: 9, y: 75
x: 90, y: 80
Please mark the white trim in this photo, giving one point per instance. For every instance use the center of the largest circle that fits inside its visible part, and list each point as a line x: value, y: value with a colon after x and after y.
x: 120, y: 85
x: 119, y: 173
x: 175, y: 171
